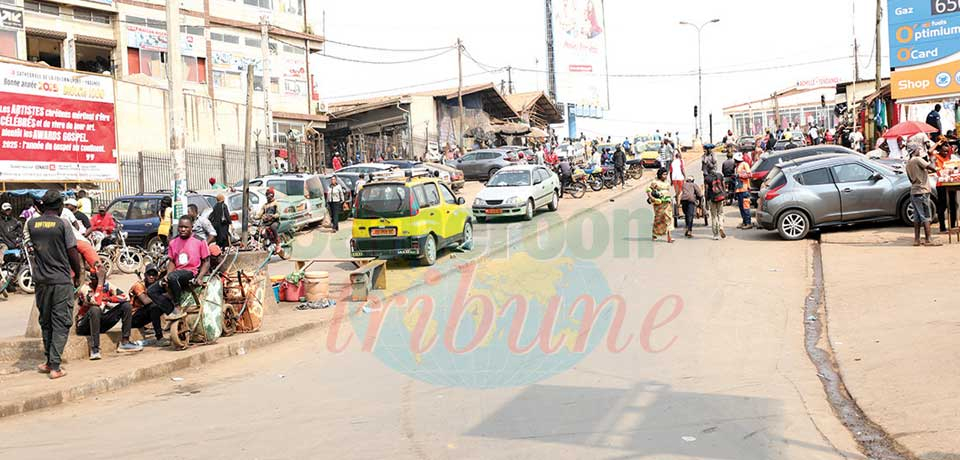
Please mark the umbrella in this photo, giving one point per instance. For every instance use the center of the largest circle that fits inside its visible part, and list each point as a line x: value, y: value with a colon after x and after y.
x: 907, y: 129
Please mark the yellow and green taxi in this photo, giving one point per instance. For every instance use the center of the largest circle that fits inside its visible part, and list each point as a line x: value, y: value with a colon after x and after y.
x: 649, y: 154
x: 409, y: 217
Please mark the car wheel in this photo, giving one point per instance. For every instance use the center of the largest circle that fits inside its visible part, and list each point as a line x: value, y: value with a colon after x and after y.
x: 467, y: 233
x: 429, y: 254
x: 492, y: 172
x: 528, y: 214
x: 554, y: 202
x: 793, y: 225
x: 909, y: 214
x: 156, y: 245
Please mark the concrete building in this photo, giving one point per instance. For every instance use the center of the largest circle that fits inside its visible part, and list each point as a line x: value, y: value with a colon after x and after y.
x: 220, y: 38
x: 800, y: 105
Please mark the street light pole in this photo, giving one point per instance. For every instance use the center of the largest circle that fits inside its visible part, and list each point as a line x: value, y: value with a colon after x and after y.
x: 699, y: 70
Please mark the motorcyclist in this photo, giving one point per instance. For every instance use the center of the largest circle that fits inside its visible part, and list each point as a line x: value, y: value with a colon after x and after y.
x: 729, y: 170
x: 566, y: 172
x: 619, y: 166
x: 269, y: 217
x: 11, y: 230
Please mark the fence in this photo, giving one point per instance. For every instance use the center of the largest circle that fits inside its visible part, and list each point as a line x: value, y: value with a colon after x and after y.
x: 152, y: 171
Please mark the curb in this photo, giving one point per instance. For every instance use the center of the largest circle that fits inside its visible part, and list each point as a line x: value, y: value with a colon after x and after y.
x: 112, y: 383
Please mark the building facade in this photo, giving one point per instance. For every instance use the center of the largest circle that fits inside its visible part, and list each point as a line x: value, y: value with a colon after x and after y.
x: 798, y: 106
x: 219, y: 40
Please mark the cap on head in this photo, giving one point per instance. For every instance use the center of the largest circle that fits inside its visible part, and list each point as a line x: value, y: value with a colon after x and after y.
x: 6, y: 207
x: 151, y: 268
x: 213, y: 181
x: 70, y: 202
x: 738, y: 156
x: 52, y: 200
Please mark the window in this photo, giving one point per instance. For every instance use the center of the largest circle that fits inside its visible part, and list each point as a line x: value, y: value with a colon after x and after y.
x: 217, y: 37
x: 258, y: 84
x: 487, y: 155
x: 223, y: 79
x: 253, y: 42
x: 852, y: 172
x: 815, y: 177
x: 294, y: 87
x: 433, y: 198
x: 195, y: 69
x: 293, y: 187
x: 265, y: 4
x: 144, y: 209
x: 192, y: 30
x: 291, y: 49
x: 84, y: 14
x: 135, y: 20
x: 447, y: 195
x: 146, y: 62
x: 8, y: 43
x: 42, y: 49
x: 41, y: 7
x: 232, y: 39
x: 119, y: 209
x: 96, y: 59
x: 156, y: 24
x: 421, y: 195
x: 470, y: 157
x: 315, y: 188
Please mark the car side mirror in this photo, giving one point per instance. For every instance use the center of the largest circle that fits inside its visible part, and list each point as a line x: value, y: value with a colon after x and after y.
x: 538, y: 182
x: 461, y: 200
x: 876, y: 177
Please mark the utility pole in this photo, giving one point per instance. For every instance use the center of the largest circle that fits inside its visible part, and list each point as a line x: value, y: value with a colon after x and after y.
x: 245, y: 215
x: 551, y: 61
x: 700, y: 71
x: 265, y: 50
x: 856, y: 69
x: 176, y: 110
x: 509, y: 80
x: 878, y: 45
x: 711, y: 127
x: 460, y: 91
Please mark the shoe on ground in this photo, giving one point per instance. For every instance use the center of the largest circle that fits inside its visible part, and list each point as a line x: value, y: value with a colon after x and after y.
x: 129, y: 348
x: 43, y: 368
x: 162, y: 343
x: 176, y: 314
x: 55, y: 374
x: 95, y: 355
x: 716, y: 237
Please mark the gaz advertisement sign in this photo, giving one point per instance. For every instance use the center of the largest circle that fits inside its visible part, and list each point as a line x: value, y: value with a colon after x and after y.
x: 924, y: 47
x: 56, y: 125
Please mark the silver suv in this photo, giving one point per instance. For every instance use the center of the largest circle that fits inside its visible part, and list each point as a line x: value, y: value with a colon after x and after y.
x: 799, y: 196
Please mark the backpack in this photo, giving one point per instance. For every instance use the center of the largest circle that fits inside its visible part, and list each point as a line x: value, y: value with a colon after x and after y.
x: 718, y: 192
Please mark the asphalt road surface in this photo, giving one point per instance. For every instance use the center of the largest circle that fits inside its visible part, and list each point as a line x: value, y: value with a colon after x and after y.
x: 717, y: 372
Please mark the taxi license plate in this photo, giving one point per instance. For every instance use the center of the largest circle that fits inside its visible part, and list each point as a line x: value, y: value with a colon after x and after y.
x: 383, y: 232
x: 494, y: 211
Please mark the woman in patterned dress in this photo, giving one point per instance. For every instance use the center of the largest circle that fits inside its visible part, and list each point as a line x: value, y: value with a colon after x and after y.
x: 659, y: 195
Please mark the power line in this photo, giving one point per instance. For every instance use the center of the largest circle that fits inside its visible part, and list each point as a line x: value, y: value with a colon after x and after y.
x: 400, y: 88
x: 407, y: 61
x: 694, y: 73
x: 397, y: 50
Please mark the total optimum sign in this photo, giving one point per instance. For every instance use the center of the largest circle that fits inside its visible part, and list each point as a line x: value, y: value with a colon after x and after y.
x: 56, y: 125
x: 924, y: 48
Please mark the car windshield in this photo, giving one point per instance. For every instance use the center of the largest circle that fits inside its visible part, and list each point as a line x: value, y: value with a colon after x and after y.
x: 651, y: 146
x: 772, y: 176
x: 510, y: 179
x: 384, y: 200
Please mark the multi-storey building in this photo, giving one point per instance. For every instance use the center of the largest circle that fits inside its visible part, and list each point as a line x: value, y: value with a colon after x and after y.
x: 219, y: 39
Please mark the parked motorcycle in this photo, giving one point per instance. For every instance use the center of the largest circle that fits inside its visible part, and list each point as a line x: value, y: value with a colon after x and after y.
x: 17, y: 272
x: 127, y: 259
x: 261, y: 239
x: 609, y: 176
x: 594, y: 178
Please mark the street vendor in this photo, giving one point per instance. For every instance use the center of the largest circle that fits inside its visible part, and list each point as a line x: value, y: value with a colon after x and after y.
x: 189, y: 261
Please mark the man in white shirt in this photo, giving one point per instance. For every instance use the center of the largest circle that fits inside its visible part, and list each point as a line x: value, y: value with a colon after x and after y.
x: 856, y: 141
x: 814, y: 135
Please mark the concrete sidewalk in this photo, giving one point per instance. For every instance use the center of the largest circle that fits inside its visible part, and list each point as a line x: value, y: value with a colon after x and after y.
x: 894, y: 319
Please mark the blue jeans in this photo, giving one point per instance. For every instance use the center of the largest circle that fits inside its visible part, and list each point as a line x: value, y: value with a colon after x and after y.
x: 744, y: 211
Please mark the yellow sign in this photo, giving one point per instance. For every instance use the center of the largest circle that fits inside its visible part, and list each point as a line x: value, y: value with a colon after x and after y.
x: 939, y: 80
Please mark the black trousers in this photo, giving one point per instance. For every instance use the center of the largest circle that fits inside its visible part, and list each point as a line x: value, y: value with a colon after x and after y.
x: 223, y: 236
x: 96, y: 322
x: 335, y: 208
x: 149, y: 314
x: 689, y: 213
x: 944, y: 200
x: 618, y: 176
x: 179, y: 281
x: 55, y: 302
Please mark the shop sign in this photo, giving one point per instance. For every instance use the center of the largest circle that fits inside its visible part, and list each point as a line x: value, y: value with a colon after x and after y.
x: 924, y: 48
x: 56, y: 125
x: 150, y: 39
x: 11, y: 17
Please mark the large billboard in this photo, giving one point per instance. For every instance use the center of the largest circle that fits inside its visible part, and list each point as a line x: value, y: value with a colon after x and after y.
x: 924, y: 48
x: 579, y: 43
x: 56, y: 125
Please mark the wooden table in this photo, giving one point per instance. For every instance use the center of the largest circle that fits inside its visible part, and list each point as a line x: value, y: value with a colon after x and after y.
x: 949, y: 188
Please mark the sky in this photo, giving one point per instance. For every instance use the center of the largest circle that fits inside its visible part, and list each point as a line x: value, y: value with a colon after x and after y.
x: 758, y: 46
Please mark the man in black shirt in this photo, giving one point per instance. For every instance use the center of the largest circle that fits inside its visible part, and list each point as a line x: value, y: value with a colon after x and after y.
x: 11, y: 231
x: 728, y: 169
x: 933, y: 119
x: 56, y: 272
x: 619, y: 166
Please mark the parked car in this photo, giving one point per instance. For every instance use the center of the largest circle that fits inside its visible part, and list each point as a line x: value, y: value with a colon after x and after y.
x: 768, y: 160
x: 451, y: 175
x: 349, y: 184
x: 417, y: 216
x: 140, y: 217
x: 234, y: 202
x: 574, y: 153
x: 483, y: 164
x: 650, y: 154
x: 298, y: 187
x: 746, y: 143
x: 518, y: 191
x: 369, y: 169
x: 801, y: 196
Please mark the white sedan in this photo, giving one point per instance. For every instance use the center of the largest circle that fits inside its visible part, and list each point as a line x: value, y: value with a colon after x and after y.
x: 518, y: 191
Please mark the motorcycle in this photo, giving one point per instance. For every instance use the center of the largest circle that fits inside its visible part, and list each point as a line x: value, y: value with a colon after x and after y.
x: 128, y: 259
x: 577, y: 187
x: 16, y: 271
x: 609, y: 176
x: 261, y: 239
x: 594, y: 178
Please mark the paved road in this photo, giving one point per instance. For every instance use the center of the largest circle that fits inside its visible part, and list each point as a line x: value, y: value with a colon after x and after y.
x: 725, y: 379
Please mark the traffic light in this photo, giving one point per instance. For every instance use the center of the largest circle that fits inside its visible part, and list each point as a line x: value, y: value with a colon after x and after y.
x: 823, y: 101
x: 695, y: 112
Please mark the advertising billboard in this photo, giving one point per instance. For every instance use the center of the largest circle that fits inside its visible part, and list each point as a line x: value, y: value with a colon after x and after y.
x: 924, y: 48
x: 580, y: 41
x: 56, y: 125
